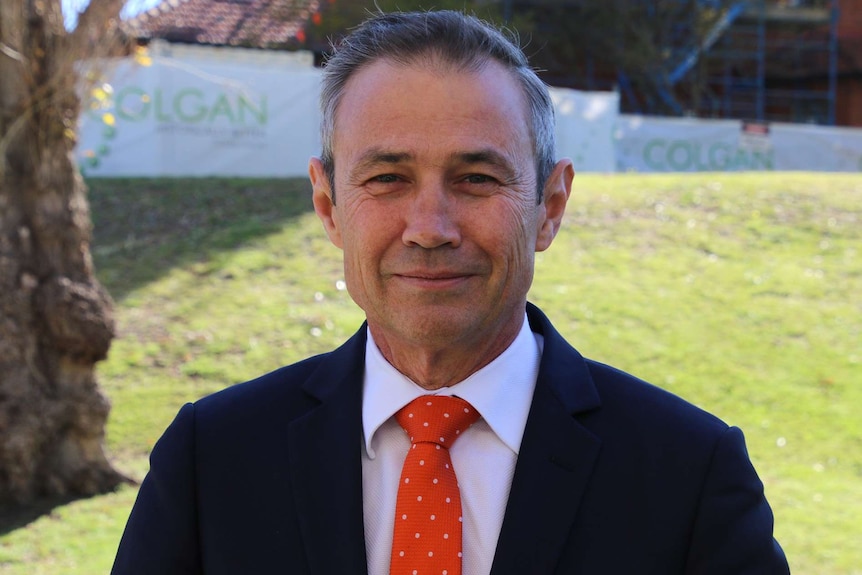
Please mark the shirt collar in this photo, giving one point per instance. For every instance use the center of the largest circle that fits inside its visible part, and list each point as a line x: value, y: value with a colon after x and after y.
x: 501, y: 391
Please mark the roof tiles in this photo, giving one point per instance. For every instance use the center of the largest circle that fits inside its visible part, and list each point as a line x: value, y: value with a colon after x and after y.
x: 249, y: 23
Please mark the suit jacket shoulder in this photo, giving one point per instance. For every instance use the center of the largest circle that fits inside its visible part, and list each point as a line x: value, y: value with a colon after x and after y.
x: 625, y: 477
x: 649, y: 410
x: 260, y: 477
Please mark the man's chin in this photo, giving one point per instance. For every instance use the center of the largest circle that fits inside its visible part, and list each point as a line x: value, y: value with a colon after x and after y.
x: 438, y: 324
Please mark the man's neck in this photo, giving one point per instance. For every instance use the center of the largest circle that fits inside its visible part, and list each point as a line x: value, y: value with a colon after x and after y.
x: 435, y: 366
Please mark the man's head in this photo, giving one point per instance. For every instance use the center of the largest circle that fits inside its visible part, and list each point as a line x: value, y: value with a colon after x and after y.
x: 434, y: 163
x: 445, y: 39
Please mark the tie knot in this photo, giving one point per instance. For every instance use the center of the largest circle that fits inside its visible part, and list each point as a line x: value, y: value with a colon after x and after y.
x: 436, y: 419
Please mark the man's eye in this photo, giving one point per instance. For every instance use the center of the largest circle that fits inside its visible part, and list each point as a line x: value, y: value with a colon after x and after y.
x: 478, y: 179
x: 385, y: 179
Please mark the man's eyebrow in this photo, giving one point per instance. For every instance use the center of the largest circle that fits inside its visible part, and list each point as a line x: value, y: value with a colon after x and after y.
x: 486, y: 156
x: 377, y: 156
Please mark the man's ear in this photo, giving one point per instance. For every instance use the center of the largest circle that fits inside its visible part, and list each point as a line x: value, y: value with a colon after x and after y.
x: 321, y: 196
x: 554, y: 197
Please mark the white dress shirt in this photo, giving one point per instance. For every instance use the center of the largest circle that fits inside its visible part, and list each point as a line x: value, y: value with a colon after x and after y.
x: 484, y: 456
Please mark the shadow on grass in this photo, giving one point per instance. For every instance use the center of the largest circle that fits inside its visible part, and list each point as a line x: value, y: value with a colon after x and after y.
x: 145, y: 227
x: 14, y: 517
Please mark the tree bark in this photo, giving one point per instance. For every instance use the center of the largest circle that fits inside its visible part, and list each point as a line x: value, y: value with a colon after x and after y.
x: 56, y: 320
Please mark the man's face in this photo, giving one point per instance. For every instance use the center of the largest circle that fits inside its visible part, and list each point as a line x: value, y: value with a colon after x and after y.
x: 435, y: 188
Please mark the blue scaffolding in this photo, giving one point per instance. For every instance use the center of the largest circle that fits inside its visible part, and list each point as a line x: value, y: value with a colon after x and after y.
x: 761, y: 60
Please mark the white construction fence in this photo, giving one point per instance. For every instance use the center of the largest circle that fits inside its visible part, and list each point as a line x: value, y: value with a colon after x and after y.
x: 193, y: 111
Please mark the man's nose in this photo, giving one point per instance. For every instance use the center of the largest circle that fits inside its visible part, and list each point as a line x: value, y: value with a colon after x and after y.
x: 430, y: 221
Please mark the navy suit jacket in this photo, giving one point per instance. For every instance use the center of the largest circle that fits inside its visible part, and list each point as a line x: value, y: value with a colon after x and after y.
x: 614, y: 476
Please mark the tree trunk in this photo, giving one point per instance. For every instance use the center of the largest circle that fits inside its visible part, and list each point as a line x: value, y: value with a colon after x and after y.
x: 56, y: 320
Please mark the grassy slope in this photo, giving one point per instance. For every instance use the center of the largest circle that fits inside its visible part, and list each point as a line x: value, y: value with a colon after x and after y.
x: 739, y: 292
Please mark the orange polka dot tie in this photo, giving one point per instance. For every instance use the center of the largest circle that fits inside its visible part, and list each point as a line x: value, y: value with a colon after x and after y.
x: 427, y: 538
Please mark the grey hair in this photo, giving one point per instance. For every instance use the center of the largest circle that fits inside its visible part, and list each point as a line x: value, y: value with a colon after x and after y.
x: 444, y: 37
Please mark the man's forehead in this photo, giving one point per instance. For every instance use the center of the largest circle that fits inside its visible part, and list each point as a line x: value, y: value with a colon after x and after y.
x: 386, y: 69
x: 391, y: 68
x: 395, y: 114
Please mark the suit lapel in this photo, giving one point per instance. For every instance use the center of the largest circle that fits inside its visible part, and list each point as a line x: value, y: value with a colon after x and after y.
x: 325, y: 463
x: 555, y: 461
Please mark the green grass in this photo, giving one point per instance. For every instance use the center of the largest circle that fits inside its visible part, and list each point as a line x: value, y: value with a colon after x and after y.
x: 739, y: 292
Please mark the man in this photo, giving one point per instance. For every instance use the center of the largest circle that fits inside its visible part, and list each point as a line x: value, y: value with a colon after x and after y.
x: 438, y: 182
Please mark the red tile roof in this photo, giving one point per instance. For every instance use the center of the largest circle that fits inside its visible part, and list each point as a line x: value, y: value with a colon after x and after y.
x: 249, y: 23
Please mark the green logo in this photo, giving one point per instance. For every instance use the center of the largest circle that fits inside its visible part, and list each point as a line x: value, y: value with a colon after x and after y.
x: 190, y: 106
x: 688, y: 155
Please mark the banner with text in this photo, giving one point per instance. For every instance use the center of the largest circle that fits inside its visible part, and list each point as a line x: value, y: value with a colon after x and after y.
x: 202, y: 118
x: 648, y: 144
